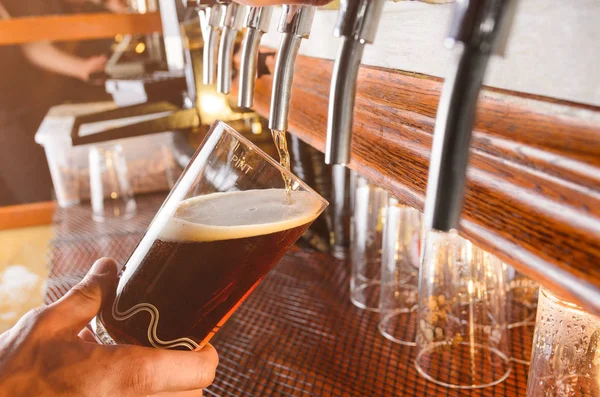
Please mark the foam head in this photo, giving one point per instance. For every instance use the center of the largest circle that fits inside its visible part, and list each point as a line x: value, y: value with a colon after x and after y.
x: 239, y: 214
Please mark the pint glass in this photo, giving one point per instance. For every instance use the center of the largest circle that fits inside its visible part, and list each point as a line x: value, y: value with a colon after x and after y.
x: 225, y: 224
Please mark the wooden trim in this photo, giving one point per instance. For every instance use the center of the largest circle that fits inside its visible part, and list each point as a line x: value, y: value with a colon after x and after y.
x: 76, y: 27
x: 533, y: 194
x: 18, y: 216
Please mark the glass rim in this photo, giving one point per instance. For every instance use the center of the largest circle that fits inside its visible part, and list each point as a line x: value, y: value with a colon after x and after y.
x: 263, y: 154
x: 561, y: 301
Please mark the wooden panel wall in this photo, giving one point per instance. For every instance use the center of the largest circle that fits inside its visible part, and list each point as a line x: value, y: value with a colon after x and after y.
x: 533, y: 195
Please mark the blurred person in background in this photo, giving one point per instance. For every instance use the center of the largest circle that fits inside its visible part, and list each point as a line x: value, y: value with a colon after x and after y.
x: 33, y: 78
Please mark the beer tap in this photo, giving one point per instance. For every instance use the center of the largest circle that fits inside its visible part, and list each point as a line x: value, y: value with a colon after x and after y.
x: 231, y: 22
x: 295, y: 24
x: 479, y: 29
x: 356, y: 26
x: 256, y: 24
x: 211, y: 32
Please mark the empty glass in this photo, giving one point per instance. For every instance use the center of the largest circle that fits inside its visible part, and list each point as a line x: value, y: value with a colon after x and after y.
x: 521, y: 303
x: 366, y: 240
x: 566, y: 350
x: 110, y: 190
x: 522, y: 297
x: 399, y: 273
x: 462, y: 336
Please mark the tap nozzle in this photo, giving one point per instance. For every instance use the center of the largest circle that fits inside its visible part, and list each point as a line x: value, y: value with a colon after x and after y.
x: 232, y: 20
x: 356, y: 25
x: 295, y: 24
x: 211, y: 32
x: 256, y: 24
x: 479, y: 29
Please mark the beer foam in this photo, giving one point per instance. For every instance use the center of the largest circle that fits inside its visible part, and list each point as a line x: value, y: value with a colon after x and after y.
x: 239, y: 214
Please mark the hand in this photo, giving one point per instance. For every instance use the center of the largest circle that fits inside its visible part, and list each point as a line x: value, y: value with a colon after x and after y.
x: 45, y: 354
x: 92, y: 65
x: 279, y: 2
x: 116, y: 6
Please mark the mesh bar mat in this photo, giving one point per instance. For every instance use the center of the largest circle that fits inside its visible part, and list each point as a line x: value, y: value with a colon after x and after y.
x: 296, y: 335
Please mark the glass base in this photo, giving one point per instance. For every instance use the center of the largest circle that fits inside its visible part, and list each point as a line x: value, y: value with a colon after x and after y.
x: 463, y: 365
x: 366, y: 296
x: 399, y: 326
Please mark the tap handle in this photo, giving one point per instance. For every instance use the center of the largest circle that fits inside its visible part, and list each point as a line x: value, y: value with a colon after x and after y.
x: 358, y: 19
x: 256, y: 24
x: 483, y: 25
x: 296, y: 20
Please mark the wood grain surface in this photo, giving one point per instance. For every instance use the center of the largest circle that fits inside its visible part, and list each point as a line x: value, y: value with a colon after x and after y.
x: 76, y: 27
x: 533, y: 194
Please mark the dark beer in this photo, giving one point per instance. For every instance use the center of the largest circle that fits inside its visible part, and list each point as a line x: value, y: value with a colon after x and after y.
x: 205, y: 261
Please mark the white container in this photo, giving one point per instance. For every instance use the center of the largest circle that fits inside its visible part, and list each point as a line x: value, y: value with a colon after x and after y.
x: 150, y: 158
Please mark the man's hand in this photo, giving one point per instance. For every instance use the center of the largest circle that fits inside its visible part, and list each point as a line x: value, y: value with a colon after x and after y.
x: 92, y: 65
x: 47, y: 354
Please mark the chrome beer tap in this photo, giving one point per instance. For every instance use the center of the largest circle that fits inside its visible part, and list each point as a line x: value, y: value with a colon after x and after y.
x: 231, y: 22
x: 212, y: 33
x: 356, y: 26
x: 256, y: 24
x: 295, y: 24
x: 480, y: 28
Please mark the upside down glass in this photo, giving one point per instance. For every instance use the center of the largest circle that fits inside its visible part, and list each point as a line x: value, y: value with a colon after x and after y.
x: 399, y: 273
x: 224, y: 225
x: 368, y: 218
x: 565, y: 361
x: 462, y: 339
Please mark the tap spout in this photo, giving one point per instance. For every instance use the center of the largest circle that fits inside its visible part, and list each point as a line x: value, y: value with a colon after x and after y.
x: 257, y: 23
x: 232, y: 24
x: 479, y: 33
x: 211, y: 34
x: 356, y: 25
x: 295, y: 25
x: 341, y: 102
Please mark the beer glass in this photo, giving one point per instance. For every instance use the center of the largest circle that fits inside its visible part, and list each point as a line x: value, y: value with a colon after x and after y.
x: 462, y: 339
x: 565, y: 360
x: 225, y: 224
x: 366, y: 234
x: 399, y: 273
x: 110, y: 191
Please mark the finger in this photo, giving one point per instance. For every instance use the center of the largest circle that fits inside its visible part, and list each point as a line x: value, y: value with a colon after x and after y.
x: 144, y: 371
x: 75, y: 310
x: 187, y: 393
x: 87, y: 336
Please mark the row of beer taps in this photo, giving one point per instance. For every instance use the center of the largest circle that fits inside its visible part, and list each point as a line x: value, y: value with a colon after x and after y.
x: 479, y: 29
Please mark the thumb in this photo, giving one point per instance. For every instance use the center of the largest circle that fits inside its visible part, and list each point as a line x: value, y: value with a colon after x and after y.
x: 75, y: 310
